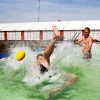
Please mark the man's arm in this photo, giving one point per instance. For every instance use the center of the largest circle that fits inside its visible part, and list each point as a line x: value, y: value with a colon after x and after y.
x: 87, y: 49
x: 79, y: 41
x: 50, y: 47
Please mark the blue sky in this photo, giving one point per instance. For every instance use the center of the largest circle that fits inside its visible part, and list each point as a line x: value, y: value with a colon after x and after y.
x: 50, y: 10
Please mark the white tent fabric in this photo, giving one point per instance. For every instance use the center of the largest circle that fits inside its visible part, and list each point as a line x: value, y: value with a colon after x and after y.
x: 62, y: 25
x: 26, y: 26
x: 59, y: 24
x: 74, y: 25
x: 94, y: 25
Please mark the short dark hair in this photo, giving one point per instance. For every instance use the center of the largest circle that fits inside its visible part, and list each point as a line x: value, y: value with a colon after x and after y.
x: 87, y: 28
x: 39, y: 55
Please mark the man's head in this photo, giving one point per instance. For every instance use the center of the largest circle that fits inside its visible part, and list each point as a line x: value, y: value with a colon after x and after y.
x: 39, y: 58
x: 86, y: 32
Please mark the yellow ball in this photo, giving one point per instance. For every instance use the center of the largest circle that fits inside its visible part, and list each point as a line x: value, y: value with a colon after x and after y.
x: 20, y: 55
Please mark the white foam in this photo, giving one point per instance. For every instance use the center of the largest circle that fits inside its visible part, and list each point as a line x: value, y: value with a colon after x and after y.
x: 65, y: 54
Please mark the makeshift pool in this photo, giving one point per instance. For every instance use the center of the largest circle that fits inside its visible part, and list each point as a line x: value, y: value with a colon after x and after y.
x: 66, y: 57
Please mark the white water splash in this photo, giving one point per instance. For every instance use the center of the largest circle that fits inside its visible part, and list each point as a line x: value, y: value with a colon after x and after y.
x: 66, y: 54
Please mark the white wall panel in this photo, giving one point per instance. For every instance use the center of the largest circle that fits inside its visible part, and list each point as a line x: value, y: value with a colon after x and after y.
x: 68, y: 35
x: 14, y: 35
x: 65, y: 35
x: 50, y: 35
x: 27, y: 36
x: 72, y: 34
x: 92, y: 34
x: 95, y: 35
x: 79, y: 34
x: 98, y: 35
x: 18, y: 35
x: 47, y: 35
x: 9, y: 36
x: 44, y: 35
x: 1, y: 35
x: 31, y: 35
x: 36, y: 36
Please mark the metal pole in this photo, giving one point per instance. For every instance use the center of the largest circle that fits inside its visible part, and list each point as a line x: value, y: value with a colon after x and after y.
x: 39, y: 11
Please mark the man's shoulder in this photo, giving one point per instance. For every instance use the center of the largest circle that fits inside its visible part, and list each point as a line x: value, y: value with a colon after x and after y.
x: 90, y: 38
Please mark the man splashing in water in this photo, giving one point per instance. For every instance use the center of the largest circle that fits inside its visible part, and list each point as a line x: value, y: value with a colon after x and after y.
x: 43, y: 62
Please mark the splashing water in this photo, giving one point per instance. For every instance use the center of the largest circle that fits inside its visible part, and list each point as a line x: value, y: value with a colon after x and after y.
x: 22, y: 81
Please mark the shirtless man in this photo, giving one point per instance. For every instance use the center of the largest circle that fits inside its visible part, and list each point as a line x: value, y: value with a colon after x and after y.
x: 86, y: 41
x: 43, y: 62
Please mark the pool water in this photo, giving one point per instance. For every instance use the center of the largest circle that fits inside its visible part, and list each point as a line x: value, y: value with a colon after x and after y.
x: 66, y: 57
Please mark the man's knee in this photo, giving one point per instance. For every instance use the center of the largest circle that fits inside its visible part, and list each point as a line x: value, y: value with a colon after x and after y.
x: 74, y: 78
x: 70, y: 77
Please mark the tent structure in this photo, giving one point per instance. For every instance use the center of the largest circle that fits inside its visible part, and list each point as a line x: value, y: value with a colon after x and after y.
x: 43, y: 30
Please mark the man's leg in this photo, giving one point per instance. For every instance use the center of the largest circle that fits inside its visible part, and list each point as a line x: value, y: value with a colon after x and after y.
x: 68, y: 80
